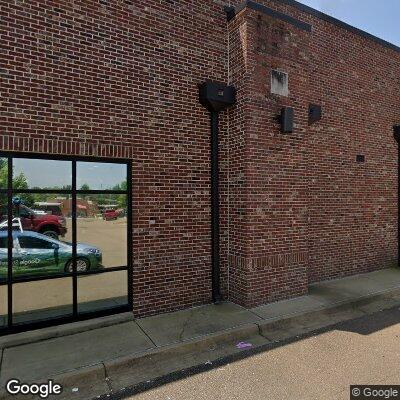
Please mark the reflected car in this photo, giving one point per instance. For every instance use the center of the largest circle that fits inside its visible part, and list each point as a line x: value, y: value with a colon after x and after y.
x: 53, y: 226
x: 37, y: 254
x: 110, y: 215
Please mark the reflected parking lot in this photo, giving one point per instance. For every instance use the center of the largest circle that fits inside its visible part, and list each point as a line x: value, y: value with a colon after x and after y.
x: 110, y: 236
x: 41, y: 199
x: 96, y: 291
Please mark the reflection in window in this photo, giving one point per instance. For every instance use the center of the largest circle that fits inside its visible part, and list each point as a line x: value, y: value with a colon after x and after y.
x: 3, y: 256
x: 102, y: 291
x: 42, y: 242
x: 41, y: 174
x: 43, y: 213
x: 39, y: 299
x: 3, y: 305
x: 3, y: 238
x: 38, y: 255
x: 101, y: 176
x: 3, y: 173
x: 3, y: 241
x: 29, y: 242
x: 3, y: 211
x: 102, y: 222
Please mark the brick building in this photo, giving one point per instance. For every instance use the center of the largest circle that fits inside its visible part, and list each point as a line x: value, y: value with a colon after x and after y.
x: 119, y: 80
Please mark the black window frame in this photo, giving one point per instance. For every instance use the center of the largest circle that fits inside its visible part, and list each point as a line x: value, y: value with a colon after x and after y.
x: 10, y: 326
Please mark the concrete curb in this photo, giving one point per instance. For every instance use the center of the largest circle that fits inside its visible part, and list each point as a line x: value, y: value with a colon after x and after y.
x: 303, y: 322
x: 130, y: 370
x: 90, y: 382
x: 171, y: 358
x: 115, y: 374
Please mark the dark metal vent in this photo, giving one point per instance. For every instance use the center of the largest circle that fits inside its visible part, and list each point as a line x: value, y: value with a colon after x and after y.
x: 314, y: 113
x: 396, y: 132
x: 287, y: 116
x: 360, y: 158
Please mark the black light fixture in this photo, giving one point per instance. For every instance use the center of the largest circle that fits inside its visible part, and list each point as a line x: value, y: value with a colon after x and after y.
x: 396, y: 133
x: 215, y: 97
x: 314, y: 113
x: 360, y: 158
x: 286, y: 119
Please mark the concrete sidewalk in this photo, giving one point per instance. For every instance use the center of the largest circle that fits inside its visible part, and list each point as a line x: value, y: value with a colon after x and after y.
x: 95, y: 358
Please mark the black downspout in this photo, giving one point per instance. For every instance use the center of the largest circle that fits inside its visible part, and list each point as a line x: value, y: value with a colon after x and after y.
x: 215, y: 97
x: 398, y: 203
x: 396, y: 131
x: 216, y: 282
x: 396, y: 135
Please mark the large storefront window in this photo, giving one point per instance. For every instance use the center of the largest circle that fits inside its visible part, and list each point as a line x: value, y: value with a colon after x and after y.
x: 64, y: 240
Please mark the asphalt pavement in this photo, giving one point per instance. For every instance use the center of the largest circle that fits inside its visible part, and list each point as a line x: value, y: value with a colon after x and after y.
x: 319, y: 366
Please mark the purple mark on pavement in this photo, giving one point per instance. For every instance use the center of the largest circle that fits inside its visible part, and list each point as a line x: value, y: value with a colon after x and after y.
x: 244, y: 345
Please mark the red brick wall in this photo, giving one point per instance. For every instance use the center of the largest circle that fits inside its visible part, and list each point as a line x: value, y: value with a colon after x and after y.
x: 312, y: 212
x: 119, y: 79
x: 233, y: 167
x: 275, y: 196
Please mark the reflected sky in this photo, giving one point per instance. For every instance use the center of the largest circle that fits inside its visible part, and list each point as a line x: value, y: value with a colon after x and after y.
x: 99, y: 175
x: 56, y: 173
x: 44, y: 173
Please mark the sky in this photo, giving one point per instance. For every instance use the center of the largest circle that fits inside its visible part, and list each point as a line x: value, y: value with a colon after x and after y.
x: 378, y: 17
x: 50, y: 173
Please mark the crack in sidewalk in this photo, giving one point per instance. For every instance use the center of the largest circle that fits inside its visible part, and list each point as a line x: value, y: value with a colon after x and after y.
x: 107, y: 379
x: 185, y: 325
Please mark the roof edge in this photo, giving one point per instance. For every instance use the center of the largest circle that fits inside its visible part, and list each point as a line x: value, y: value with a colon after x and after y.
x: 231, y: 11
x: 338, y: 22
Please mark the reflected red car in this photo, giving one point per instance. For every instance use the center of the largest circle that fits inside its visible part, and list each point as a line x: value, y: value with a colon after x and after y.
x: 53, y: 226
x: 110, y: 215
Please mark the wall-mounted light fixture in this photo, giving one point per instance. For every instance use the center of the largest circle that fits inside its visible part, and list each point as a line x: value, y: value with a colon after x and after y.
x: 360, y: 158
x: 286, y: 119
x: 314, y: 113
x: 396, y: 133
